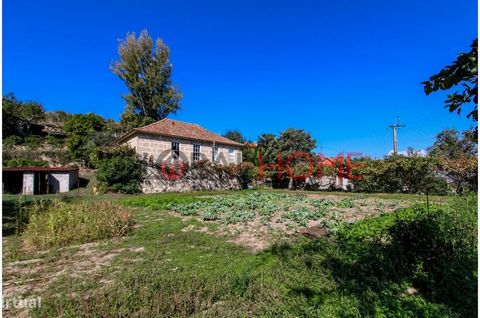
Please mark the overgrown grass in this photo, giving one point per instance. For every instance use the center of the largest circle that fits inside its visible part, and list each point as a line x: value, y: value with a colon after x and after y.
x: 362, y: 271
x: 60, y: 223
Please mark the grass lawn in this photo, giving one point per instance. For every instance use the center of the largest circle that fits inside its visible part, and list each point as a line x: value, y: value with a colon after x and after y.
x: 177, y: 264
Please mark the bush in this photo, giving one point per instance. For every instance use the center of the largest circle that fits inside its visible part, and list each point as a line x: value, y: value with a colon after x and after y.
x: 56, y: 141
x: 119, y: 170
x: 33, y: 142
x: 439, y: 250
x: 61, y: 223
x: 246, y: 171
x: 11, y: 141
x: 22, y: 162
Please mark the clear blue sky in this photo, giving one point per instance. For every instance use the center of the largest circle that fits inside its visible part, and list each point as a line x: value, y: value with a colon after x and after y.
x: 341, y: 70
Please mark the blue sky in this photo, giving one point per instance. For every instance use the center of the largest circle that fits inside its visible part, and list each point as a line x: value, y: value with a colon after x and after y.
x: 342, y: 70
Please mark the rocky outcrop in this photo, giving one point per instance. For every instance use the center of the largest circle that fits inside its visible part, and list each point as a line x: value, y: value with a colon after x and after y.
x: 194, y: 179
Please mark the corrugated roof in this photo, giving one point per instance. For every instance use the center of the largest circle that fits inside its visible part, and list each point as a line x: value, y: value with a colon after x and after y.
x: 180, y: 129
x: 40, y: 169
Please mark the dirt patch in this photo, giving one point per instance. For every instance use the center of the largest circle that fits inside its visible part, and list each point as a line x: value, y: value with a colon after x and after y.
x: 260, y: 233
x: 29, y: 278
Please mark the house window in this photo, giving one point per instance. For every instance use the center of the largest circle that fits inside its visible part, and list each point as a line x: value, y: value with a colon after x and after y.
x: 175, y: 150
x: 196, y: 152
x: 215, y: 154
x: 231, y: 155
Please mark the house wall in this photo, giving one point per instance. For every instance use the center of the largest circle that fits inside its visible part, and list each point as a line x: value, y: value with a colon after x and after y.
x: 28, y: 179
x: 60, y: 182
x: 159, y: 148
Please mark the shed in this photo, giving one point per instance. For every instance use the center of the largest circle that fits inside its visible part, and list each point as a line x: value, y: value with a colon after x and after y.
x: 39, y: 180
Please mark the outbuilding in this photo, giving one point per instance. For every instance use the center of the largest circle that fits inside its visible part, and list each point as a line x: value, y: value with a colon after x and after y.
x: 39, y: 180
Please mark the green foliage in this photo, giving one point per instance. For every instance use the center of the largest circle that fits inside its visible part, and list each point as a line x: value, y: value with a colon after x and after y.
x: 164, y: 201
x: 397, y: 173
x: 246, y: 171
x: 18, y: 116
x: 234, y: 135
x: 11, y: 141
x: 80, y: 129
x: 23, y: 162
x: 56, y: 141
x: 33, y: 142
x: 439, y: 250
x: 146, y: 70
x: 462, y: 73
x: 290, y: 141
x: 119, y: 170
x: 61, y: 223
x: 457, y: 157
x: 189, y: 273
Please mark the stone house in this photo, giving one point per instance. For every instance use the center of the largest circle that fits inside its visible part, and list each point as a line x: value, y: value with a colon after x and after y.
x: 171, y: 140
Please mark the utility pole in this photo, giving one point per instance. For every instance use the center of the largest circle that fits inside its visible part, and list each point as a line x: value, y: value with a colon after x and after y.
x: 394, y: 131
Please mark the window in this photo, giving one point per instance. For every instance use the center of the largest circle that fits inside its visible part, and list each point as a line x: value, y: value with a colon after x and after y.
x: 175, y: 150
x: 231, y: 155
x: 196, y: 152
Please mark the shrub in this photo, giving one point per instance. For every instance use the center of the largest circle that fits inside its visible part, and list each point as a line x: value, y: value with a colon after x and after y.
x: 33, y: 142
x: 56, y: 141
x: 439, y: 249
x: 246, y: 171
x: 119, y: 170
x: 11, y: 141
x: 61, y: 223
x: 21, y: 162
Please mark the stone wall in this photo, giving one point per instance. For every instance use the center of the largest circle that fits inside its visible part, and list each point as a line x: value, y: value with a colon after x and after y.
x: 159, y: 148
x: 195, y: 179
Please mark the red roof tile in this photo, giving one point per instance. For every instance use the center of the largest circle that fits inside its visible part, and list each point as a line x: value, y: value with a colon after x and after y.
x: 180, y: 129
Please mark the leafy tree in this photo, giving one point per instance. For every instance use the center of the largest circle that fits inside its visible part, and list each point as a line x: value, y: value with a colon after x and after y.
x: 30, y: 113
x: 19, y: 116
x: 290, y: 141
x: 119, y: 169
x: 295, y: 140
x: 146, y: 70
x: 268, y: 147
x: 461, y: 73
x: 397, y: 173
x: 448, y: 144
x: 80, y: 129
x: 10, y: 120
x: 457, y: 157
x: 234, y: 135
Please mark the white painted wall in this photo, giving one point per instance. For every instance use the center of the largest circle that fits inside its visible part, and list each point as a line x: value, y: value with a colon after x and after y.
x: 28, y: 182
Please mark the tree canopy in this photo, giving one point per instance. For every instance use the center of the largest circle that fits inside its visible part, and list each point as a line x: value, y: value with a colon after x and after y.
x: 81, y: 129
x: 462, y: 74
x: 290, y: 141
x: 235, y: 135
x: 146, y: 70
x: 18, y: 116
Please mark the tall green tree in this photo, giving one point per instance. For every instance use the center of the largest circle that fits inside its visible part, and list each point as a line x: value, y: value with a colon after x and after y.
x: 146, y: 70
x: 81, y: 129
x: 457, y: 157
x: 461, y: 74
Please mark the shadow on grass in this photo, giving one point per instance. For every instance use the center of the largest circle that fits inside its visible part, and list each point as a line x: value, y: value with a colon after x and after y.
x: 381, y: 281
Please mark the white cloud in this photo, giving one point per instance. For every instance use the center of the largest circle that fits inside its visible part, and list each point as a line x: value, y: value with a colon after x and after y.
x: 420, y: 153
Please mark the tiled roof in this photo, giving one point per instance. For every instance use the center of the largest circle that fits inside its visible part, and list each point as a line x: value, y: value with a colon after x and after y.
x: 180, y: 129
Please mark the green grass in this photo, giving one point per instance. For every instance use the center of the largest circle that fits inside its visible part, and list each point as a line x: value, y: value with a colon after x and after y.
x: 195, y: 274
